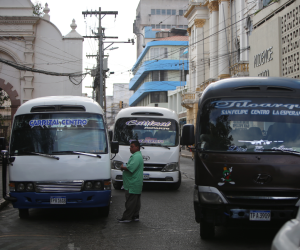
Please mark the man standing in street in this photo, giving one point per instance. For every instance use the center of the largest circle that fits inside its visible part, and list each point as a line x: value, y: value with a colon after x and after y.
x: 133, y: 183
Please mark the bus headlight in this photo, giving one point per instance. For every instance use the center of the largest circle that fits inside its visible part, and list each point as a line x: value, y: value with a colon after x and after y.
x: 29, y: 187
x: 210, y: 198
x: 116, y: 165
x: 20, y: 187
x: 97, y: 185
x: 170, y: 167
x: 88, y: 185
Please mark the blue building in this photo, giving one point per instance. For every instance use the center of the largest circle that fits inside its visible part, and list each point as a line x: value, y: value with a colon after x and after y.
x: 162, y: 66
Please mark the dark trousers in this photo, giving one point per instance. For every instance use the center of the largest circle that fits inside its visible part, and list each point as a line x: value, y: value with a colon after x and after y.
x: 132, y: 205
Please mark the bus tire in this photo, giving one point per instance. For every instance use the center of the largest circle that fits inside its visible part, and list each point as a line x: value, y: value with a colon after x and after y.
x: 23, y: 213
x: 103, y: 211
x: 118, y: 185
x: 207, y: 230
x: 175, y: 186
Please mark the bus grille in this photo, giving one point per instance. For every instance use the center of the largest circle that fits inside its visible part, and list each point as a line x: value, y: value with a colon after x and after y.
x: 58, y: 186
x: 153, y: 167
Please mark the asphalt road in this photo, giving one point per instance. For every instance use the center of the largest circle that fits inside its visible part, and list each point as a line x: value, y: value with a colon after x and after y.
x: 166, y: 222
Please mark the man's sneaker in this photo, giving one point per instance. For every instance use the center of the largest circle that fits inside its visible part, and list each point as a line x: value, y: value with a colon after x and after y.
x: 135, y: 218
x: 123, y: 220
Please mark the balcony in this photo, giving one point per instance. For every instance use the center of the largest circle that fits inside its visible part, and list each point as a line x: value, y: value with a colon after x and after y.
x: 240, y: 69
x: 188, y: 99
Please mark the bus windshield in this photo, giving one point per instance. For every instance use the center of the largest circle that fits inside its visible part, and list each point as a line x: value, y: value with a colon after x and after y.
x: 250, y: 125
x: 51, y: 133
x: 149, y: 131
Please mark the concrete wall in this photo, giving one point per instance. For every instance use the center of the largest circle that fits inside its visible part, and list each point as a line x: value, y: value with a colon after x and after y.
x: 277, y: 28
x: 265, y: 57
x: 36, y: 43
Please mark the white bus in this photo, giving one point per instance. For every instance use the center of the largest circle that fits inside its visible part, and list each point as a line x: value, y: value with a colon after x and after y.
x: 59, y: 156
x: 157, y: 130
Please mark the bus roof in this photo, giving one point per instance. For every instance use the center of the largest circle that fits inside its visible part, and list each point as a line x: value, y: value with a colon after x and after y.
x: 89, y: 104
x: 151, y: 112
x: 252, y: 87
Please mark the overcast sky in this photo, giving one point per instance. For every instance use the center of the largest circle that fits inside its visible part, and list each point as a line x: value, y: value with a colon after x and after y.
x: 120, y: 60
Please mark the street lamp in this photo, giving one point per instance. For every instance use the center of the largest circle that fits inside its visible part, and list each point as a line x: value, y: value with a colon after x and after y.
x: 144, y: 45
x: 113, y: 48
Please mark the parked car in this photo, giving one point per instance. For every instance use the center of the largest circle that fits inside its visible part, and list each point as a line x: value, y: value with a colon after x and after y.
x: 288, y: 237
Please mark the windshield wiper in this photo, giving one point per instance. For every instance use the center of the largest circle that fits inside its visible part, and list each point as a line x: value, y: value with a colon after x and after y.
x: 155, y: 144
x: 87, y: 154
x: 79, y: 153
x: 294, y: 152
x: 45, y: 155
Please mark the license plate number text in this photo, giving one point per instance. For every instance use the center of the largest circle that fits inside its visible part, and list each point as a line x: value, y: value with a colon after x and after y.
x: 58, y: 200
x: 260, y: 215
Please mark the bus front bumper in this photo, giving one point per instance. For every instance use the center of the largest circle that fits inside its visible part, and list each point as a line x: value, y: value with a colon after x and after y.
x: 82, y: 199
x: 150, y: 176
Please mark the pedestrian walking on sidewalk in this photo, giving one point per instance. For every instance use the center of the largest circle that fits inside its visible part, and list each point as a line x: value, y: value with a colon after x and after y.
x: 133, y: 183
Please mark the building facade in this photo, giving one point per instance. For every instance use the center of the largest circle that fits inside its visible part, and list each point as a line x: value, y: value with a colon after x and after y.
x: 35, y: 42
x: 219, y: 34
x: 162, y: 66
x: 121, y: 93
x: 159, y: 15
x: 277, y: 54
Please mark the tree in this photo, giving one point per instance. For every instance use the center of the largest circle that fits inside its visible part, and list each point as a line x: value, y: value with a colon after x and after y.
x: 38, y: 9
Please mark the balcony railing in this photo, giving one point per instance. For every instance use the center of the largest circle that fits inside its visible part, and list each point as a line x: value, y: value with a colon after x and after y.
x: 188, y: 99
x: 240, y: 69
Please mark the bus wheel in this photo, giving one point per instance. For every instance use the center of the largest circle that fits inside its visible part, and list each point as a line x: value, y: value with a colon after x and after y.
x: 175, y: 186
x: 207, y: 230
x: 23, y: 213
x: 103, y: 211
x: 118, y: 185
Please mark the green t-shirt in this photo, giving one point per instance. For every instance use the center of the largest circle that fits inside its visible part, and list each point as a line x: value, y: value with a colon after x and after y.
x: 133, y: 178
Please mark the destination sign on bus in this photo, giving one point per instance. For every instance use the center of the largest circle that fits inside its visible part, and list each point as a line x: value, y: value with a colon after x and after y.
x: 247, y: 104
x: 148, y: 123
x: 57, y: 122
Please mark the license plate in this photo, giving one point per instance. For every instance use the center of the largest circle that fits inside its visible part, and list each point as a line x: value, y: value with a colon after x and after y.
x: 260, y: 215
x: 146, y: 176
x: 58, y: 200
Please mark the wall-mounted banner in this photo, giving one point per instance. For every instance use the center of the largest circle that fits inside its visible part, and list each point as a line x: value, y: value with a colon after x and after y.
x: 148, y: 123
x: 57, y: 122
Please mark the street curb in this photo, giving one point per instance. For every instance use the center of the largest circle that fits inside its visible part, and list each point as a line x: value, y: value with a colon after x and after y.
x: 186, y: 156
x: 3, y: 203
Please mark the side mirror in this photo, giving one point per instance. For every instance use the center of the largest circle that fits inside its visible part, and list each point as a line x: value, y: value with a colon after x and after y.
x: 114, y: 147
x: 110, y: 135
x: 188, y: 137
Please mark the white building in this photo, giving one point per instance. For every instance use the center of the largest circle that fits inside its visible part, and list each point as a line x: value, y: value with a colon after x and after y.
x: 122, y: 93
x: 219, y: 44
x: 36, y: 43
x: 158, y: 14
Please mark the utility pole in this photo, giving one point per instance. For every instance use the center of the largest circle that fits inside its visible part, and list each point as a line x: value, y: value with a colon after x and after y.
x: 100, y: 53
x: 101, y: 85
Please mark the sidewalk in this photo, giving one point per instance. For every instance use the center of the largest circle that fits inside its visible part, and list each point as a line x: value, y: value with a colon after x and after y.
x: 186, y: 153
x: 3, y: 202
